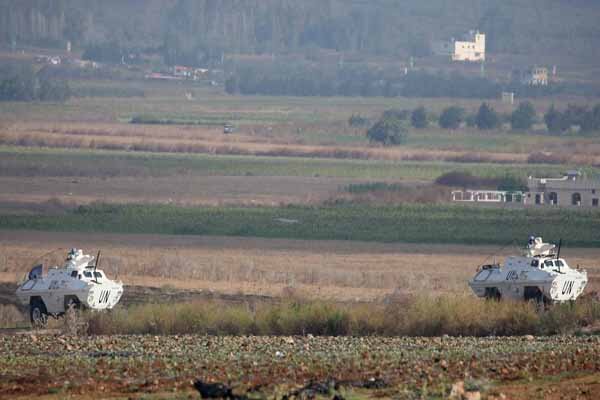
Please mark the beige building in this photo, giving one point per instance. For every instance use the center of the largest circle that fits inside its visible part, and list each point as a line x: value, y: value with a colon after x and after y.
x: 572, y: 190
x: 472, y: 49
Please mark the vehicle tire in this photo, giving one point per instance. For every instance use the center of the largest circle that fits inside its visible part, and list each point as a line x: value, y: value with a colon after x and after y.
x: 493, y: 294
x: 38, y: 314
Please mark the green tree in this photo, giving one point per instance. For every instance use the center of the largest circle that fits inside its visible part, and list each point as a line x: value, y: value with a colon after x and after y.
x: 523, y: 117
x: 591, y: 120
x: 487, y: 117
x: 556, y: 122
x: 418, y: 118
x: 388, y: 131
x: 452, y: 117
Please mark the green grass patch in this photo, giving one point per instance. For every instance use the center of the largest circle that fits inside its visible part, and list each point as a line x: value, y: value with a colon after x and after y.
x: 407, y: 223
x: 373, y: 187
x: 20, y: 161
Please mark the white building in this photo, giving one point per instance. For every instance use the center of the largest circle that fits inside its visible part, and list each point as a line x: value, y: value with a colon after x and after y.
x: 472, y: 49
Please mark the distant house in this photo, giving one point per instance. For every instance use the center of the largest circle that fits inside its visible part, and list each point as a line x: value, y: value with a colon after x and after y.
x: 573, y: 189
x: 536, y: 76
x: 471, y: 49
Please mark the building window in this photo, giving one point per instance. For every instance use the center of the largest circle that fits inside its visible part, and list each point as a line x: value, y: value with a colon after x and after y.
x: 576, y: 199
x: 553, y: 198
x: 538, y: 198
x: 593, y: 191
x: 595, y: 202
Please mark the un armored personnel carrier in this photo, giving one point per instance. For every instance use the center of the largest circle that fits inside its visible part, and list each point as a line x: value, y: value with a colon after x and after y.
x: 539, y: 274
x: 78, y: 283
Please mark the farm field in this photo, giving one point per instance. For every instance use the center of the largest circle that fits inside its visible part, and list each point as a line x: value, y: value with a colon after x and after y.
x: 326, y: 270
x: 65, y: 192
x: 410, y: 223
x: 97, y: 163
x: 152, y: 367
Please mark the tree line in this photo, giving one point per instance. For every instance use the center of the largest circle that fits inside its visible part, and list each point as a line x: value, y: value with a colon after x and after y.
x: 196, y: 30
x: 306, y: 79
x: 392, y: 127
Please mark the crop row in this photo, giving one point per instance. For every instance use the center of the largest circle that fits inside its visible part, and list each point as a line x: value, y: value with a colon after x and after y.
x: 406, y: 223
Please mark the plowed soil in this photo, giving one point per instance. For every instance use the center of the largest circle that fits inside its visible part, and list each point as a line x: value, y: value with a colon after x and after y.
x: 301, y: 367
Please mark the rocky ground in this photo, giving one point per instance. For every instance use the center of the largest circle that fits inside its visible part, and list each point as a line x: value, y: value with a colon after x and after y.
x: 53, y: 366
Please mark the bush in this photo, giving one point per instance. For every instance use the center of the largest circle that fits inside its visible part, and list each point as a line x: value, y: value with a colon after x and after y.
x: 418, y: 118
x: 523, y: 117
x: 487, y: 118
x: 388, y: 131
x: 464, y: 179
x: 452, y: 117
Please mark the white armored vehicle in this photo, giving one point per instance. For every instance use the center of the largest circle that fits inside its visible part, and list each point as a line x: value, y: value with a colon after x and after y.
x: 539, y: 274
x: 78, y: 283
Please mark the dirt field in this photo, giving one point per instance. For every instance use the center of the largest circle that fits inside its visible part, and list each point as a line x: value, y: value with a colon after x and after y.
x: 345, y: 271
x: 184, y: 190
x: 153, y: 367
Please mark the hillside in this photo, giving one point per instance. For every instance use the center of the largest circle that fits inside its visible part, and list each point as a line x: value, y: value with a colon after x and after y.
x: 199, y: 29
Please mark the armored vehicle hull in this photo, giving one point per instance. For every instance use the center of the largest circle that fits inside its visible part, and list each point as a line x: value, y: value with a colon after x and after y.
x: 78, y: 283
x: 540, y: 274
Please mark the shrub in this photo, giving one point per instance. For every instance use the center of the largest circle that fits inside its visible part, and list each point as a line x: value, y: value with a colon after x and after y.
x: 487, y: 118
x: 452, y: 117
x: 388, y: 131
x: 462, y: 179
x: 523, y: 117
x: 418, y: 118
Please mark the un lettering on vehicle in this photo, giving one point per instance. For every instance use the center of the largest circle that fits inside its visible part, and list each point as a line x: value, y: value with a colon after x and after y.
x: 567, y: 287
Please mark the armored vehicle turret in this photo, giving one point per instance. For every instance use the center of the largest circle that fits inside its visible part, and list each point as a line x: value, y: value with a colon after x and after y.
x: 539, y: 274
x: 78, y: 283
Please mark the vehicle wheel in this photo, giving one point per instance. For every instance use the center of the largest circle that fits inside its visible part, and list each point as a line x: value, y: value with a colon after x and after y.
x: 493, y: 294
x: 38, y: 314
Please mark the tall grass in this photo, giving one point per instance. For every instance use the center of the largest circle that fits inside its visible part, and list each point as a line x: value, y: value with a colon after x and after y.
x: 421, y: 316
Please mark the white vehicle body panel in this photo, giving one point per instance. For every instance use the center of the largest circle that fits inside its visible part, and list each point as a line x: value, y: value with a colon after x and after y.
x: 538, y: 274
x: 77, y: 280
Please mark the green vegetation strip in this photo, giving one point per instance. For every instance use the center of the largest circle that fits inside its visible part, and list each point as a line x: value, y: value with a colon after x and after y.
x: 406, y: 223
x: 17, y: 161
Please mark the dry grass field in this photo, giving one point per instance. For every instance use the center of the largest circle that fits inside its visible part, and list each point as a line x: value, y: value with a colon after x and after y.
x: 21, y: 192
x: 322, y: 139
x: 329, y: 270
